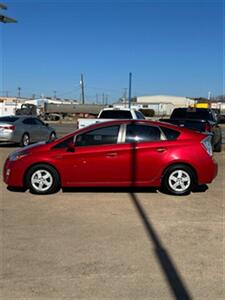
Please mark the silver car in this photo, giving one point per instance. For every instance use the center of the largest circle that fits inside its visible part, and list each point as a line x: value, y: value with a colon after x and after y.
x: 24, y: 130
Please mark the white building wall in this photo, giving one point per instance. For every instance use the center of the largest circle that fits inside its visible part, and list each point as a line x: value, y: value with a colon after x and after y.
x: 7, y: 109
x: 175, y: 100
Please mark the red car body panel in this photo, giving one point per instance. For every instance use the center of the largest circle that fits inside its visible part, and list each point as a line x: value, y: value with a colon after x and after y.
x: 125, y: 164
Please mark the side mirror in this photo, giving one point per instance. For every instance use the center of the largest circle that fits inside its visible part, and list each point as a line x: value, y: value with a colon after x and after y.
x: 71, y: 147
x: 46, y: 124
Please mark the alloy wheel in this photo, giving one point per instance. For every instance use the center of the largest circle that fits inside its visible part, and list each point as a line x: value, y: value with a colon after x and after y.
x: 41, y: 180
x: 179, y: 181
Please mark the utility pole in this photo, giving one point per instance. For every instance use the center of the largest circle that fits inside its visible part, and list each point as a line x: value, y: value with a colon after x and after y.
x: 54, y: 94
x: 19, y: 89
x: 209, y: 95
x: 130, y: 82
x: 125, y: 95
x: 96, y: 98
x: 82, y: 88
x: 106, y: 99
x: 103, y: 98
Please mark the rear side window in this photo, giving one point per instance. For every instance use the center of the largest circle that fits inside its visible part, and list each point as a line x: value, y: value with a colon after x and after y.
x: 170, y: 134
x: 142, y: 133
x: 8, y: 119
x: 116, y: 114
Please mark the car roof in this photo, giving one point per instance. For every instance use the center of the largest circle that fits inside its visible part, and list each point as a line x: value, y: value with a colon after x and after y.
x: 25, y: 116
x: 118, y: 108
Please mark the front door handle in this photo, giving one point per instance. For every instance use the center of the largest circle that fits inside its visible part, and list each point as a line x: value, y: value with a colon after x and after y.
x: 111, y: 154
x: 161, y: 149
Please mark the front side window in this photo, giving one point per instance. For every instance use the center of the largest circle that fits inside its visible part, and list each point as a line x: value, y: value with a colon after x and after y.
x: 142, y: 133
x: 64, y: 144
x: 39, y: 122
x: 101, y: 136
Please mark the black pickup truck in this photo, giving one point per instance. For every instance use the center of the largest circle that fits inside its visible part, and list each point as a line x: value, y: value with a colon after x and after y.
x: 198, y: 119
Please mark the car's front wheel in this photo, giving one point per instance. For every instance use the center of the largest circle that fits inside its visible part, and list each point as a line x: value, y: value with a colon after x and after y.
x: 178, y: 180
x: 42, y: 179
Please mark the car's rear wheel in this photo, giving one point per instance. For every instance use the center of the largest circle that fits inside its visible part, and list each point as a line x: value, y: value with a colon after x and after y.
x: 178, y: 180
x: 42, y: 179
x: 25, y: 140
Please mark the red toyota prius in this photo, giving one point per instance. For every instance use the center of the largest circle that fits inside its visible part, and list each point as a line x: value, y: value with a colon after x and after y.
x: 121, y: 153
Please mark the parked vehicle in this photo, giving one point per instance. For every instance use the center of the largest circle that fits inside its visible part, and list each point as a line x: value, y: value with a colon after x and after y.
x: 111, y: 113
x: 24, y: 130
x: 221, y: 118
x: 55, y: 112
x: 27, y: 109
x: 117, y: 153
x: 199, y: 119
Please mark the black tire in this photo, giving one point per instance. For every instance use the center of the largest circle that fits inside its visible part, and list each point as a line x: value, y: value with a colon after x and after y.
x: 178, y: 180
x: 218, y: 146
x: 42, y: 179
x: 52, y: 136
x: 25, y: 140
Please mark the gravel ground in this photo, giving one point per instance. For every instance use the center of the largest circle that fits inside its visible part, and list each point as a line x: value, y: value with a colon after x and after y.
x: 113, y: 244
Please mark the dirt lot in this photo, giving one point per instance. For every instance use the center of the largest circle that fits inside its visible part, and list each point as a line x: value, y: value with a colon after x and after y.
x: 113, y: 244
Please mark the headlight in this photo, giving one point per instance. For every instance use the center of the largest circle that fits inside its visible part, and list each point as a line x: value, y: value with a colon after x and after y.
x: 18, y: 155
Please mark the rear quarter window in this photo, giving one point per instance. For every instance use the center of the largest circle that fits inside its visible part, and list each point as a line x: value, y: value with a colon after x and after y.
x: 170, y: 134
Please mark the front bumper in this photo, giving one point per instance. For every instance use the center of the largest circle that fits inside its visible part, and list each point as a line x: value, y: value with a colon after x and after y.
x: 13, y: 173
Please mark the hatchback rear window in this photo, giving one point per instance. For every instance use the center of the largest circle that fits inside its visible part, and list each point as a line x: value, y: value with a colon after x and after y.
x: 170, y: 133
x: 8, y: 119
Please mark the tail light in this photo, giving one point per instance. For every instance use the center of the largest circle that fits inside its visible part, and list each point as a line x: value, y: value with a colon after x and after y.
x: 207, y: 127
x: 8, y: 127
x: 207, y: 145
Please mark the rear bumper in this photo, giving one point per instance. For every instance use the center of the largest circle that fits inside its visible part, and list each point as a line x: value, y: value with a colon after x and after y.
x: 207, y: 171
x: 5, y: 136
x: 8, y: 137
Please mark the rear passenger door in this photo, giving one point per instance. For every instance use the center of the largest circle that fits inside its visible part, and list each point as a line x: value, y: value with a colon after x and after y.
x: 148, y: 148
x: 42, y: 130
x: 30, y: 127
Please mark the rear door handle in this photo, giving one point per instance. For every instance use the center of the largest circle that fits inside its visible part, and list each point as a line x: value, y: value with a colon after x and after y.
x: 161, y: 149
x: 111, y: 154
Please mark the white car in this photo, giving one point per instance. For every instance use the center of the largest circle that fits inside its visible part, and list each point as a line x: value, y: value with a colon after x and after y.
x: 110, y: 113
